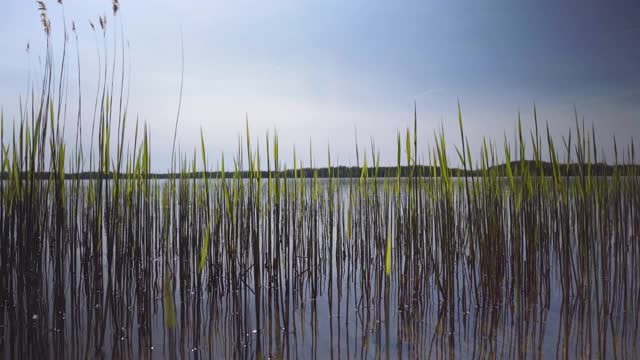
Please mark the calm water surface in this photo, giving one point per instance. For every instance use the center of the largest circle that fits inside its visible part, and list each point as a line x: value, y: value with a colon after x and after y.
x: 66, y: 304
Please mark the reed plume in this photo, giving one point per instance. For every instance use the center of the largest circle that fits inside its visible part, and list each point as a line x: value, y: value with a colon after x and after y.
x: 46, y: 24
x: 103, y: 22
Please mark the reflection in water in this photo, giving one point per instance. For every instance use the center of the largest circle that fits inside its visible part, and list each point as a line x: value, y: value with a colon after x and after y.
x: 323, y: 292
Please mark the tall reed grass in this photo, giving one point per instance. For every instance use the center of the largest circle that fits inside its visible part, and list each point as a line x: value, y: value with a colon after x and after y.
x: 262, y: 243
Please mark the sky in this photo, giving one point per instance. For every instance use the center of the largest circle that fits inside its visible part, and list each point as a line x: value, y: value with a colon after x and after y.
x: 328, y: 72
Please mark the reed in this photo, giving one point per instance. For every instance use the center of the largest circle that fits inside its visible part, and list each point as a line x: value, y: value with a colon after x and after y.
x: 236, y: 257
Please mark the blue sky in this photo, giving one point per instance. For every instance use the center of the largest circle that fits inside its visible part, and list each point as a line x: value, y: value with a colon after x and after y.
x: 317, y: 70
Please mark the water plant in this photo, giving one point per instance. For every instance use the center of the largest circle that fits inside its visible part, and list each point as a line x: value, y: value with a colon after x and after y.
x: 439, y: 259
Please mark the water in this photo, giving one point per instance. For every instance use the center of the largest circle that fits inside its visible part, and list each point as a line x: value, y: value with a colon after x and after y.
x: 63, y: 301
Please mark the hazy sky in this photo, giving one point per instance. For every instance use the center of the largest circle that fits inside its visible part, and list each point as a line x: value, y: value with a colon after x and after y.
x: 320, y: 69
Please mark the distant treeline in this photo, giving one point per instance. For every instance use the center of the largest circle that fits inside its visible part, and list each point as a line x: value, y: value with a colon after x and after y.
x: 599, y: 169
